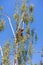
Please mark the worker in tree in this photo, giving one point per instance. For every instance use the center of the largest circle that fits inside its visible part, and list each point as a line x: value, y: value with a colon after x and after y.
x: 19, y: 34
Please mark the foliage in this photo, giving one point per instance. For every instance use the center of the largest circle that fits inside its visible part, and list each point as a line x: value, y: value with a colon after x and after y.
x: 24, y: 37
x: 1, y: 25
x: 6, y: 51
x: 1, y: 20
x: 26, y: 15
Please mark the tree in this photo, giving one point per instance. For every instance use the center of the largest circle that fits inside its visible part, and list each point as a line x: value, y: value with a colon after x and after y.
x: 25, y: 17
x: 24, y: 37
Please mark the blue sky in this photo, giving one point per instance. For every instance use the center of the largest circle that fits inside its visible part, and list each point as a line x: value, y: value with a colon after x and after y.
x: 9, y: 8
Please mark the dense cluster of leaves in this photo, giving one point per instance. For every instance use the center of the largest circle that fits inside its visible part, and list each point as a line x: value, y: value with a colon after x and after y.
x: 1, y: 20
x: 27, y: 17
x: 6, y: 51
x: 1, y: 25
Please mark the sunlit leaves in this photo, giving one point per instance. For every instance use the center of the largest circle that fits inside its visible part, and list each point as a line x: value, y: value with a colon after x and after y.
x: 7, y: 47
x: 5, y: 58
x: 26, y: 18
x: 1, y: 25
x: 28, y: 30
x: 5, y: 61
x: 30, y: 50
x: 23, y: 7
x: 31, y: 18
x: 16, y: 17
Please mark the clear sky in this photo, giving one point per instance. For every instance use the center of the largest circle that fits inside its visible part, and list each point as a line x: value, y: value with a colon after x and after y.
x: 9, y: 8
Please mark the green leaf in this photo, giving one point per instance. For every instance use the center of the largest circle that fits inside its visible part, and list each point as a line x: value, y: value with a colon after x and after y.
x: 31, y: 8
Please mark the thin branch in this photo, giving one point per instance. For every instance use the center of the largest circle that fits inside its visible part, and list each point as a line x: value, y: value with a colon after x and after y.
x: 1, y: 51
x: 11, y: 26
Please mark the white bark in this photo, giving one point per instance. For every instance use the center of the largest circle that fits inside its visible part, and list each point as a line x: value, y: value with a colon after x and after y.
x: 1, y: 51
